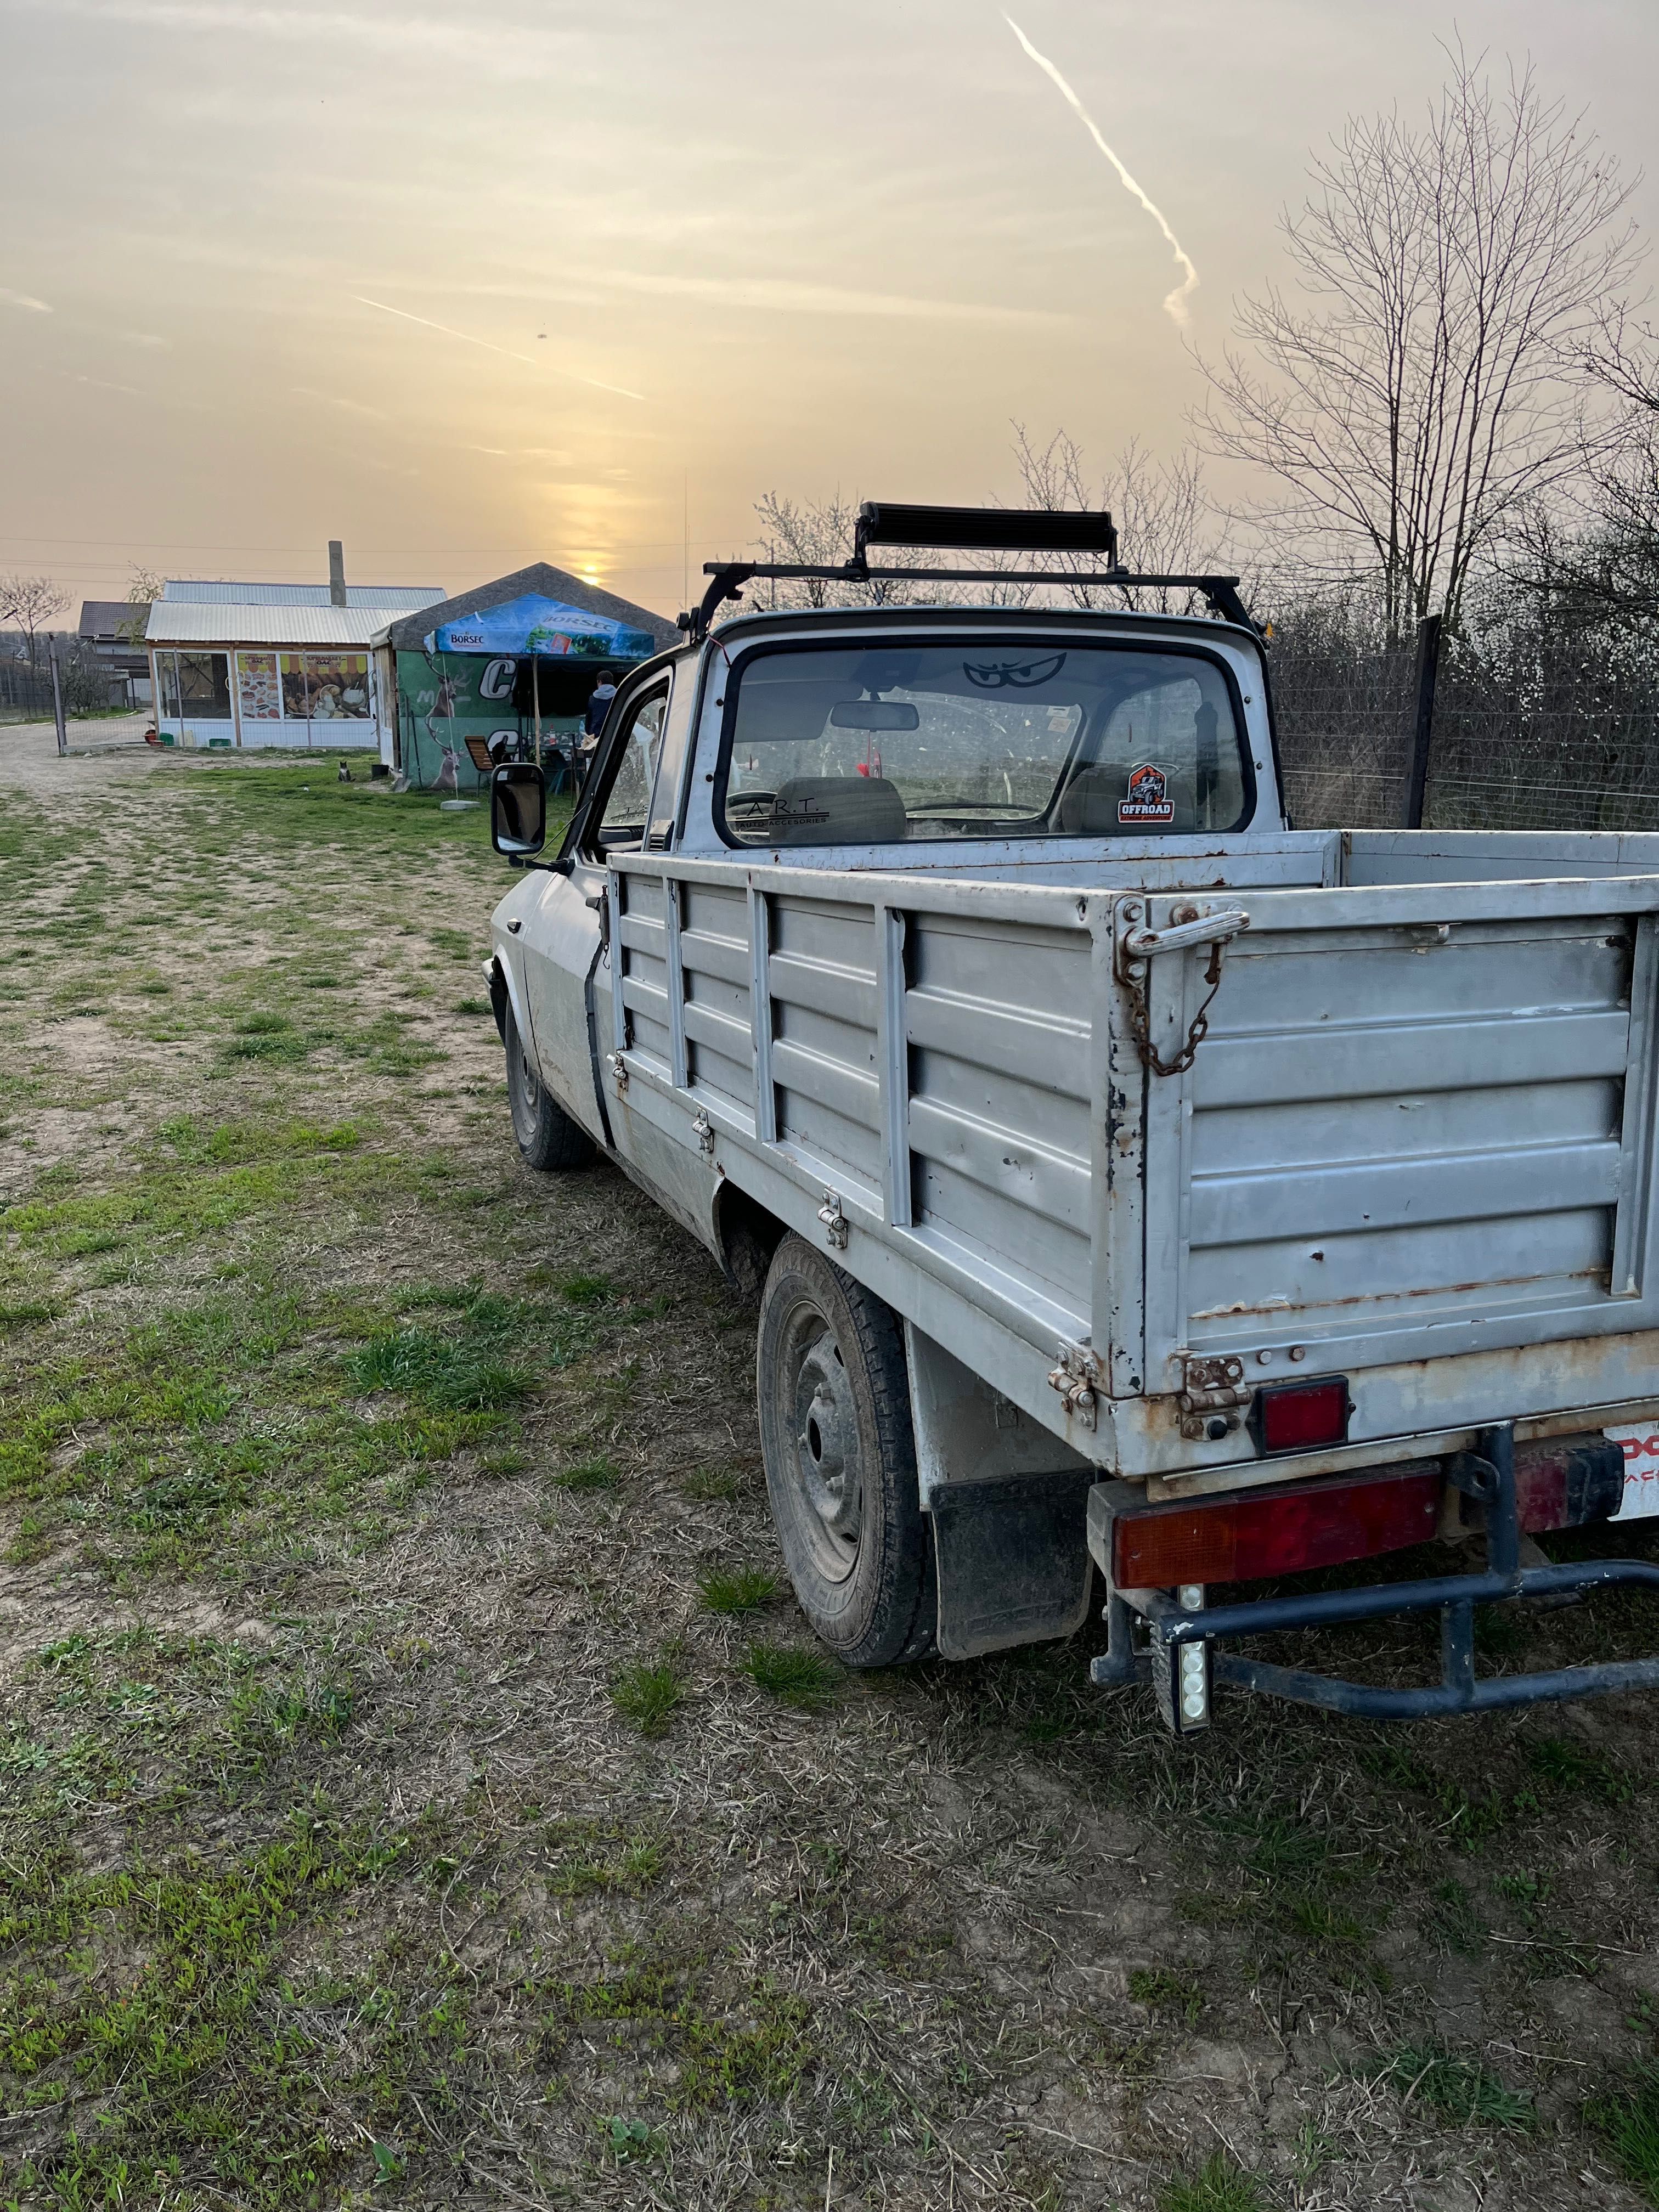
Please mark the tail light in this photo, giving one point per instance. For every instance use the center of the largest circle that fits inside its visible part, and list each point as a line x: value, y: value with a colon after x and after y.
x: 1560, y: 1482
x: 1280, y: 1531
x: 1293, y: 1417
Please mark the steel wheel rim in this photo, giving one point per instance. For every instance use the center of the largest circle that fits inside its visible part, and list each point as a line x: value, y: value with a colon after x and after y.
x: 525, y: 1093
x: 823, y: 1463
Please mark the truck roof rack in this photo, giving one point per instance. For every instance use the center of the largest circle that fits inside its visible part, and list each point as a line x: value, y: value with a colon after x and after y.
x: 977, y: 529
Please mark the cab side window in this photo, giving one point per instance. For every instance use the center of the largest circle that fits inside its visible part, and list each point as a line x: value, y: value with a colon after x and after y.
x: 620, y: 826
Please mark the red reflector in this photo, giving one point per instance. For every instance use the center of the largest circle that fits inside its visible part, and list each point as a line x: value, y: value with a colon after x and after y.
x: 1276, y: 1532
x: 1288, y: 1417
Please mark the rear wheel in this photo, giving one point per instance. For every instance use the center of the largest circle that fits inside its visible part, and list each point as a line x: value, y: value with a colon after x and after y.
x: 841, y: 1463
x: 549, y: 1140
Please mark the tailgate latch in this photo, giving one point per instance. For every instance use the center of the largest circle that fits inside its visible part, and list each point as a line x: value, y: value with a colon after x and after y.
x: 1135, y: 948
x: 1212, y: 1391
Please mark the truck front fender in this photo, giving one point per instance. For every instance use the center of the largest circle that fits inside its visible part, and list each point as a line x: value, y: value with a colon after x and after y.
x: 505, y: 990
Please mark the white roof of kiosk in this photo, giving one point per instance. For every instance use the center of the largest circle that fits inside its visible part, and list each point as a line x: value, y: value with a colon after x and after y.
x: 174, y: 623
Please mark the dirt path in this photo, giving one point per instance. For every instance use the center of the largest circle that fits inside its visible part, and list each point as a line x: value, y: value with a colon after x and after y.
x: 416, y: 1782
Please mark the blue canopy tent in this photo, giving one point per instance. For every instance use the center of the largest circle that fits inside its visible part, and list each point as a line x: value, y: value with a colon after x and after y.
x: 533, y: 625
x: 508, y: 657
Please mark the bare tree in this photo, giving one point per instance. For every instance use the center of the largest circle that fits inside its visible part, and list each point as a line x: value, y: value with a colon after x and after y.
x: 30, y: 603
x: 1423, y: 383
x: 145, y: 588
x: 1162, y: 510
x: 816, y: 534
x: 821, y: 534
x: 1165, y: 521
x: 1617, y: 563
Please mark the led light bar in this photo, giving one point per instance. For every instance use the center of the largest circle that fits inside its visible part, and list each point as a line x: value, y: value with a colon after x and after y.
x: 987, y: 529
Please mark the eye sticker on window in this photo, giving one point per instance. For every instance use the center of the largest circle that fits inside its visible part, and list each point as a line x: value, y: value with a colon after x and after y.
x: 1020, y: 674
x: 1147, y: 799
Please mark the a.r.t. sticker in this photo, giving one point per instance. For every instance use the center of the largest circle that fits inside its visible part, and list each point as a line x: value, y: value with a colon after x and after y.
x: 1147, y: 799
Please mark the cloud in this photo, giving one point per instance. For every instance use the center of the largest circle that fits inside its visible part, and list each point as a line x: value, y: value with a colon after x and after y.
x: 521, y: 453
x: 333, y: 399
x: 99, y: 384
x: 410, y: 38
x: 770, y: 295
x: 23, y: 300
x: 145, y: 338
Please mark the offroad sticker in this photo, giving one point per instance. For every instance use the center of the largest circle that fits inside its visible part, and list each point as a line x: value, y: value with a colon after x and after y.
x: 1640, y: 1446
x: 1148, y: 797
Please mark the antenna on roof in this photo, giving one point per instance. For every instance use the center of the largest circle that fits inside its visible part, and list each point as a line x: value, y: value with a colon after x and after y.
x: 336, y: 590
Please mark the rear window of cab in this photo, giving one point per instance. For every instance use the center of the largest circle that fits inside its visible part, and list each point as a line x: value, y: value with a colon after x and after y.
x: 890, y: 743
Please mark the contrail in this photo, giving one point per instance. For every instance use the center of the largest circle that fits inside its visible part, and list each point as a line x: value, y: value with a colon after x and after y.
x: 1176, y: 305
x: 466, y: 339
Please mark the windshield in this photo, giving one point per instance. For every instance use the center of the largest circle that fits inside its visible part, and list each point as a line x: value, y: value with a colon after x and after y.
x: 879, y: 744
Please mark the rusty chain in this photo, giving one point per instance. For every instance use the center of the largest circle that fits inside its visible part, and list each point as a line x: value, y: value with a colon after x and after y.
x: 1140, y: 1017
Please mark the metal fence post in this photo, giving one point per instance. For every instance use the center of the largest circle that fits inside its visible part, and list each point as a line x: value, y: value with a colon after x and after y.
x: 1428, y: 666
x: 58, y: 697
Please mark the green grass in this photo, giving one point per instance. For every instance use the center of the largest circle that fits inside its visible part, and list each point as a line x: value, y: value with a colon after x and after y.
x: 1165, y: 1989
x: 1628, y: 2123
x: 1461, y: 2091
x: 589, y: 1474
x: 591, y: 1862
x: 798, y: 1678
x: 647, y: 1696
x: 1219, y: 2186
x: 760, y: 2055
x: 476, y: 1360
x: 439, y: 1372
x: 711, y: 1485
x: 268, y: 1036
x: 1585, y: 1773
x: 162, y: 1995
x: 737, y: 1590
x: 1455, y: 1919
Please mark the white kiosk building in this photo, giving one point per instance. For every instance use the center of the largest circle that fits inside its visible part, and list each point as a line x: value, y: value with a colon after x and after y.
x: 278, y: 665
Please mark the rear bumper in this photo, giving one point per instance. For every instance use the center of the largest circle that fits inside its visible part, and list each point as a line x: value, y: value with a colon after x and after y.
x: 1487, y: 1476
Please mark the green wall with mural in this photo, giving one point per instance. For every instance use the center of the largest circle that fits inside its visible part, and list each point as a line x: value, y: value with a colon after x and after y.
x: 444, y: 698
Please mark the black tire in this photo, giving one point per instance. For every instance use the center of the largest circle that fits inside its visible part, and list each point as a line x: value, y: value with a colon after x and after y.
x: 549, y: 1140
x: 840, y: 1461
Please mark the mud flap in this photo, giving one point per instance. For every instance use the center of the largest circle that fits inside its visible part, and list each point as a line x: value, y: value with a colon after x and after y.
x: 1013, y: 1560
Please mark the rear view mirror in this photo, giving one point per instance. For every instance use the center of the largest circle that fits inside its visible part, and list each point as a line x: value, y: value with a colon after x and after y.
x: 874, y: 714
x: 517, y: 809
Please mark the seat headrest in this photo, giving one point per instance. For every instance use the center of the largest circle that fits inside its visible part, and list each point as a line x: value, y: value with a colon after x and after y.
x: 838, y: 809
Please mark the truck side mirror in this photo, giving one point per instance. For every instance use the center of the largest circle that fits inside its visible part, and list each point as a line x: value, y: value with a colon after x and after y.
x: 517, y: 809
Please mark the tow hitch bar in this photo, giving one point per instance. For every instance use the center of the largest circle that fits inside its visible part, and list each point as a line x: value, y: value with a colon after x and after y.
x: 1488, y: 1477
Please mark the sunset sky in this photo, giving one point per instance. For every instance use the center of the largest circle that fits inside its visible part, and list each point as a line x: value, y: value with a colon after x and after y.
x: 769, y: 245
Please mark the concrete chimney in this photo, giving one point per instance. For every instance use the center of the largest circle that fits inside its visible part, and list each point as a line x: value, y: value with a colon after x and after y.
x: 336, y: 590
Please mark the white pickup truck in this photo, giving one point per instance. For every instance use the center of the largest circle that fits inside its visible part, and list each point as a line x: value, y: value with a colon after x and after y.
x: 1143, y: 1196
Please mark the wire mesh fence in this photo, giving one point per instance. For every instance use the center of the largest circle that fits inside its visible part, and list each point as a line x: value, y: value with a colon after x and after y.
x: 25, y: 692
x: 1567, y: 737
